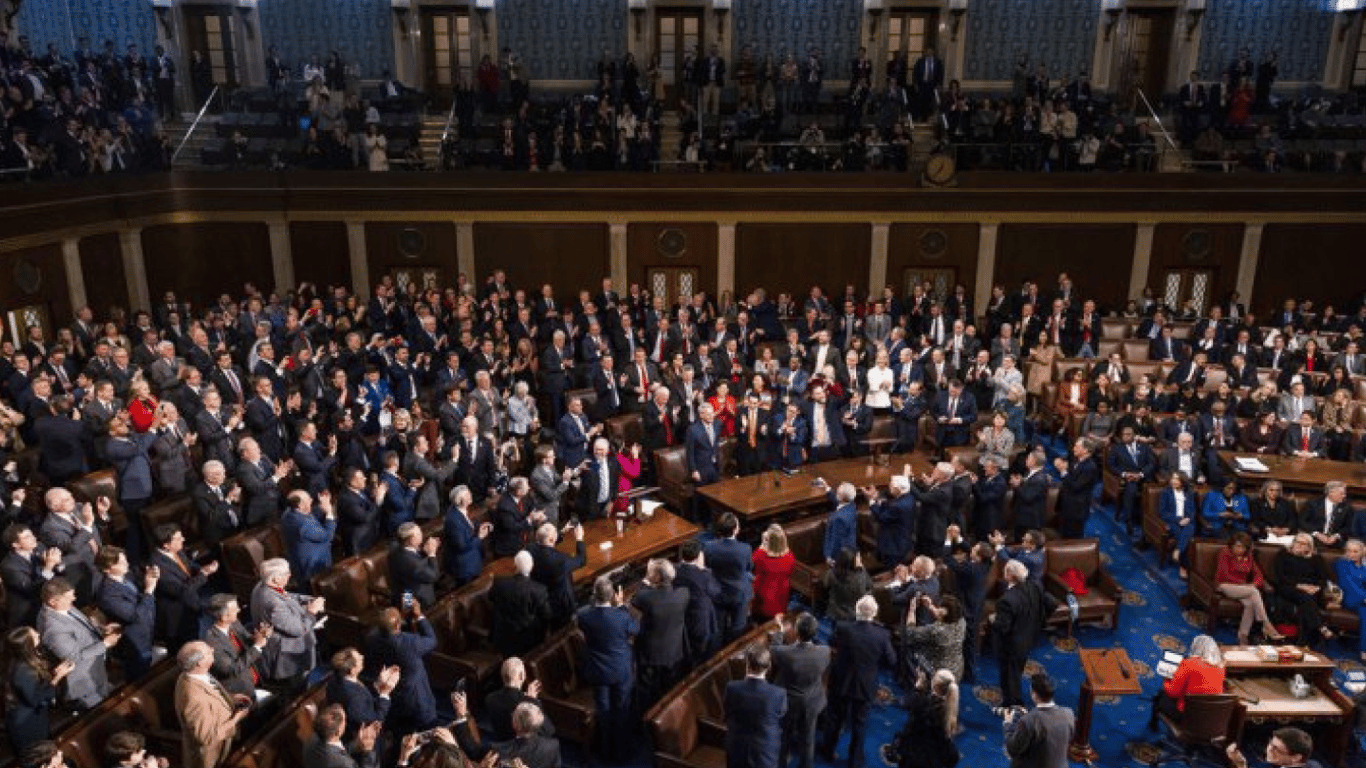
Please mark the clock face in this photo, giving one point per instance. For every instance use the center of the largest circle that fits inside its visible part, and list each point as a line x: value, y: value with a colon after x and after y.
x: 939, y: 169
x: 672, y: 243
x: 412, y: 242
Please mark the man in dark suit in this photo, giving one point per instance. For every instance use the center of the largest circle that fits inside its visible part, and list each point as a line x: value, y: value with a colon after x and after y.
x: 573, y: 433
x: 1079, y: 481
x: 64, y: 443
x: 799, y: 669
x: 606, y: 383
x: 703, y: 593
x: 860, y: 648
x: 262, y: 417
x: 555, y: 570
x: 358, y: 513
x: 500, y: 704
x: 927, y: 76
x: 659, y: 424
x: 755, y: 711
x: 936, y: 504
x: 732, y: 562
x: 1031, y: 495
x: 661, y: 647
x: 896, y: 519
x: 131, y: 604
x: 1018, y: 619
x: 179, y: 590
x: 327, y: 750
x: 954, y: 411
x: 1039, y: 738
x: 1328, y: 517
x: 988, y: 498
x: 464, y: 541
x: 413, y: 566
x: 608, y: 628
x: 258, y: 477
x: 703, y: 453
x: 1302, y: 439
x: 24, y: 570
x: 215, y: 503
x: 557, y: 363
x: 598, y: 482
x: 530, y: 745
x: 521, y: 608
x: 473, y: 456
x: 1133, y: 462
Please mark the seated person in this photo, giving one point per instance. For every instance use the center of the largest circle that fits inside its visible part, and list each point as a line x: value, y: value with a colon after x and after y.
x: 1351, y: 578
x: 1238, y: 577
x: 1272, y: 513
x: 1176, y: 507
x: 1201, y: 672
x: 1225, y: 512
x: 1300, y: 578
x: 1289, y: 747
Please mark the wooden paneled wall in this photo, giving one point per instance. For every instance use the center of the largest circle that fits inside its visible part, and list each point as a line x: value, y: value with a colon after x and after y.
x: 34, y: 277
x: 400, y: 246
x: 657, y: 245
x: 1098, y: 257
x: 102, y: 273
x: 571, y: 257
x: 925, y: 249
x: 793, y: 257
x: 1323, y: 262
x: 1195, y: 246
x: 201, y: 261
x: 321, y: 253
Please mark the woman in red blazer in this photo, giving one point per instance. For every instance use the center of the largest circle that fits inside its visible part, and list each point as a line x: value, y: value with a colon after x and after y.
x: 773, y: 565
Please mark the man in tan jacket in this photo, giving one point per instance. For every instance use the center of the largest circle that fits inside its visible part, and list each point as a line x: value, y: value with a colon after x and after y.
x: 208, y: 713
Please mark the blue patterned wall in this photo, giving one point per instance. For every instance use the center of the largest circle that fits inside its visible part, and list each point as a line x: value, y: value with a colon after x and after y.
x: 778, y: 26
x: 563, y: 40
x: 360, y: 30
x: 1301, y: 30
x: 1060, y: 34
x: 64, y: 21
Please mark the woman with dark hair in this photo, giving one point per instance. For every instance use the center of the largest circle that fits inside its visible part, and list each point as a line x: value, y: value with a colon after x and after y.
x: 844, y: 585
x: 31, y: 688
x: 939, y: 643
x: 1337, y: 380
x: 628, y: 459
x: 1238, y: 577
x: 1262, y: 436
x: 1176, y: 507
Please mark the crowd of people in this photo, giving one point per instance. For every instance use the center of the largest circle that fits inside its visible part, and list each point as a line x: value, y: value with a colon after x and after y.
x: 348, y: 421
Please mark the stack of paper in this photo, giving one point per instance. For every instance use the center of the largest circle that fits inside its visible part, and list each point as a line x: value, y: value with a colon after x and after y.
x: 1250, y: 465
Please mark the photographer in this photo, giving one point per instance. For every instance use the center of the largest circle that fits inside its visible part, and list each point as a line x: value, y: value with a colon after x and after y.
x: 1038, y: 737
x: 937, y: 644
x: 390, y: 645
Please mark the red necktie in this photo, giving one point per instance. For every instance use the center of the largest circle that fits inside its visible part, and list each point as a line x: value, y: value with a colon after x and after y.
x: 668, y: 430
x: 1306, y: 441
x: 255, y: 677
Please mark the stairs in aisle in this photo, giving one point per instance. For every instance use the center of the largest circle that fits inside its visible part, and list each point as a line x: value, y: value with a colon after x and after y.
x: 189, y: 154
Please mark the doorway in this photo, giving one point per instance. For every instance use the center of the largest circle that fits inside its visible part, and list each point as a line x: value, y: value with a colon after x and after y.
x: 677, y: 30
x: 211, y: 29
x: 1146, y: 51
x: 426, y: 278
x: 911, y: 31
x: 447, y: 56
x: 21, y: 319
x: 1182, y: 285
x: 941, y: 280
x: 673, y: 284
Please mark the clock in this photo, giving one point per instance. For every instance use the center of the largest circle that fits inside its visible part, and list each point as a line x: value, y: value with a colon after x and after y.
x: 672, y: 243
x: 940, y: 170
x: 412, y: 242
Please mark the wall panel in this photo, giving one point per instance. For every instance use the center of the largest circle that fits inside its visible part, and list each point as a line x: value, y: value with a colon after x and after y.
x: 925, y: 247
x: 568, y: 256
x: 1098, y: 257
x: 402, y: 246
x: 359, y: 30
x: 1299, y: 30
x: 321, y: 253
x: 793, y: 257
x: 563, y: 40
x: 650, y: 245
x: 201, y: 261
x: 1198, y: 246
x: 1059, y: 34
x: 1308, y: 261
x: 779, y: 27
x: 102, y: 270
x: 34, y: 277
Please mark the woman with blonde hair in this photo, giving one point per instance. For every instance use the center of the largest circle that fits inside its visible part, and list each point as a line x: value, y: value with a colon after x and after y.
x: 926, y: 741
x: 773, y: 565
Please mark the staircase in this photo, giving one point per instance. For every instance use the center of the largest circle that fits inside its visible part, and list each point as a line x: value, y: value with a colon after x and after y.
x: 189, y: 155
x: 429, y: 136
x: 670, y: 138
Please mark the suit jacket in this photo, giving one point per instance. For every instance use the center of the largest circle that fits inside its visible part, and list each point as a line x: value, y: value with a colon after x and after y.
x: 860, y: 649
x: 511, y: 525
x: 500, y: 704
x: 547, y: 489
x: 218, y: 518
x: 132, y: 465
x: 314, y: 464
x: 656, y: 435
x: 571, y: 439
x: 413, y: 699
x: 478, y: 471
x: 63, y: 447
x: 936, y: 503
x: 1314, y: 517
x: 704, y: 453
x: 265, y: 426
x: 206, y: 725
x: 74, y: 637
x: 414, y: 572
x: 1019, y: 617
x: 399, y: 502
x: 1120, y: 460
x: 462, y: 548
x: 320, y: 754
x: 1040, y: 738
x: 521, y: 611
x: 989, y: 495
x: 841, y: 530
x: 135, y: 610
x: 1076, y: 489
x: 292, y: 650
x: 800, y: 670
x: 260, y: 494
x: 78, y: 559
x: 1293, y: 440
x: 590, y: 487
x: 308, y: 542
x: 663, y: 612
x: 214, y: 438
x: 554, y: 570
x: 362, y: 705
x: 178, y: 597
x: 357, y: 521
x: 754, y: 723
x: 732, y: 563
x: 896, y: 519
x: 235, y: 662
x: 23, y: 579
x: 607, y: 633
x: 703, y: 593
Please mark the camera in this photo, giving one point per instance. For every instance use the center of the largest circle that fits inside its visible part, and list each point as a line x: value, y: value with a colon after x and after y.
x: 1002, y: 712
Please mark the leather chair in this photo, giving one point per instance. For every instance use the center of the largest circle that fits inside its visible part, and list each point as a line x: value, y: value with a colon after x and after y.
x: 1181, y: 329
x: 463, y: 624
x: 281, y: 743
x: 671, y: 472
x: 588, y: 396
x: 243, y: 554
x: 91, y: 487
x: 1103, y: 597
x: 1154, y: 370
x: 1135, y: 350
x: 1106, y: 347
x: 1209, y: 723
x: 1155, y: 531
x: 625, y: 428
x: 146, y: 706
x: 179, y: 510
x: 351, y: 605
x: 567, y: 701
x: 1201, y: 590
x: 806, y: 539
x: 1115, y: 328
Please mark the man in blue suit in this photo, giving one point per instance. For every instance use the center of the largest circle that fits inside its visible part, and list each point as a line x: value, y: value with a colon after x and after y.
x: 128, y: 452
x: 462, y: 541
x: 703, y: 592
x: 400, y: 495
x: 1079, y: 481
x: 754, y: 714
x: 1133, y: 462
x: 308, y: 540
x: 789, y: 434
x: 860, y: 648
x: 895, y: 517
x: 841, y: 530
x: 608, y: 628
x: 732, y: 563
x: 572, y: 434
x: 132, y: 607
x: 954, y: 411
x: 702, y: 449
x: 390, y: 645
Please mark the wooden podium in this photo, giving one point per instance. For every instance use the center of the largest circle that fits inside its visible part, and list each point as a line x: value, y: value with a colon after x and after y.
x: 1108, y: 673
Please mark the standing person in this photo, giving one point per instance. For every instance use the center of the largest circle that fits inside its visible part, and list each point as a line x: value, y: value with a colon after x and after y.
x: 800, y: 670
x: 703, y: 452
x: 773, y: 566
x: 1039, y: 738
x: 71, y: 636
x: 861, y: 648
x: 129, y: 453
x: 308, y: 540
x: 209, y: 715
x: 1079, y: 481
x: 133, y: 606
x: 661, y: 647
x: 932, y: 720
x: 292, y: 617
x: 755, y: 710
x: 520, y: 607
x: 1019, y: 615
x: 703, y: 592
x: 732, y: 562
x: 390, y: 644
x: 608, y: 628
x: 32, y: 682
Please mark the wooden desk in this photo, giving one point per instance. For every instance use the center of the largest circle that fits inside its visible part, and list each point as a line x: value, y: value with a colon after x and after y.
x: 1307, y: 475
x: 1264, y: 690
x: 1108, y: 673
x: 772, y: 493
x: 663, y: 531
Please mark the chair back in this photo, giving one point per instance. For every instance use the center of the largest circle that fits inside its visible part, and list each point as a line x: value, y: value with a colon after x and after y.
x: 1207, y: 719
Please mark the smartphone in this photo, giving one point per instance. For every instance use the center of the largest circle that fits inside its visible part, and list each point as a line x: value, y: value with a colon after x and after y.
x: 407, y: 601
x: 460, y: 685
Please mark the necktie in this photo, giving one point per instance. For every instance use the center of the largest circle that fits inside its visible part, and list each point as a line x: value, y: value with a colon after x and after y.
x: 237, y: 644
x: 668, y: 428
x: 822, y: 432
x: 753, y: 428
x: 953, y: 406
x: 1133, y: 451
x: 603, y: 478
x: 1306, y: 441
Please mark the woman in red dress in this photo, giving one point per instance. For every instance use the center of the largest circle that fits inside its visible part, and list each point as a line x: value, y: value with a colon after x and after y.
x: 724, y: 405
x: 628, y: 458
x: 773, y: 565
x: 1240, y: 107
x: 142, y: 407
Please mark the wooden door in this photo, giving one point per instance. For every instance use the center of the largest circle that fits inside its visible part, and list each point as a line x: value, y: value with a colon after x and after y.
x: 446, y: 50
x: 674, y: 284
x: 426, y: 278
x: 21, y: 319
x: 911, y: 31
x: 210, y: 29
x: 941, y: 280
x: 1182, y: 285
x: 1147, y: 48
x: 677, y: 30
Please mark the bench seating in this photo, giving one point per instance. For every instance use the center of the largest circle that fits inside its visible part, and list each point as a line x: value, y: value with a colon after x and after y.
x: 1203, y: 557
x: 567, y: 701
x: 280, y: 744
x: 146, y: 706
